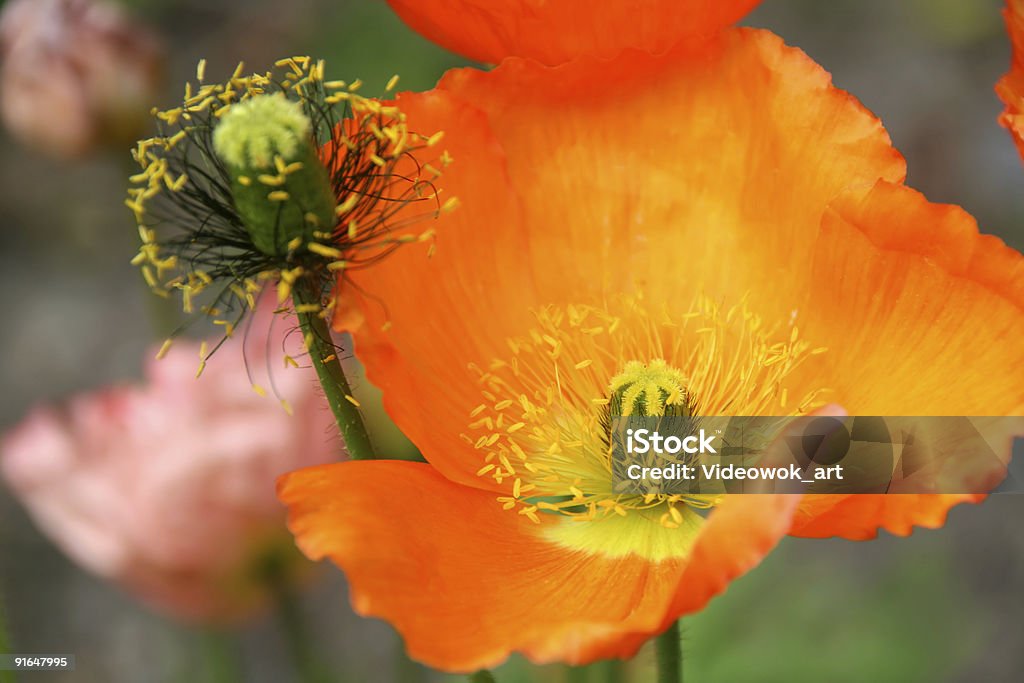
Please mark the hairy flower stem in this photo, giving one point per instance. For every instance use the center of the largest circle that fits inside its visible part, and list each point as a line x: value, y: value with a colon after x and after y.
x: 323, y: 356
x: 669, y: 649
x: 482, y: 676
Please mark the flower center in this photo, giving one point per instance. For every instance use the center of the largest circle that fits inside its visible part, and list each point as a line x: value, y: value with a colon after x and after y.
x: 649, y: 390
x: 543, y: 428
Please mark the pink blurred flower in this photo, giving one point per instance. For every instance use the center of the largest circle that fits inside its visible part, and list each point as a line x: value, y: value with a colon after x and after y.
x: 168, y: 488
x: 76, y: 74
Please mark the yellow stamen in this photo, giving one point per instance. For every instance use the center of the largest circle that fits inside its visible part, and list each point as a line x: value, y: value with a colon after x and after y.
x: 324, y: 250
x: 164, y: 348
x: 579, y: 362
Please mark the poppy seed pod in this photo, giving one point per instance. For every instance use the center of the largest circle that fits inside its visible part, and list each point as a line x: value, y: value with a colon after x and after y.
x: 280, y: 177
x: 279, y: 186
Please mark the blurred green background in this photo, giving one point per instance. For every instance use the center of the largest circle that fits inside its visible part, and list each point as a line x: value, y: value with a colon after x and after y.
x: 939, y: 606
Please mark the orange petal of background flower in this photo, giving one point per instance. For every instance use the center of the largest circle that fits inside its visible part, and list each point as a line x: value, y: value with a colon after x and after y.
x: 466, y: 583
x: 1011, y: 87
x: 693, y: 171
x: 556, y: 31
x: 922, y: 315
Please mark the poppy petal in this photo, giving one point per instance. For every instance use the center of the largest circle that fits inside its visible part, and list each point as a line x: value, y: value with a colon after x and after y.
x: 915, y: 307
x: 906, y: 291
x: 553, y: 32
x: 692, y: 169
x: 417, y: 321
x: 860, y: 517
x: 695, y: 161
x: 1011, y: 87
x: 466, y: 582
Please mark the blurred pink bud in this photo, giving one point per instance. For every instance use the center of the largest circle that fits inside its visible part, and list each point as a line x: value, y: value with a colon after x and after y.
x: 76, y: 74
x: 168, y: 488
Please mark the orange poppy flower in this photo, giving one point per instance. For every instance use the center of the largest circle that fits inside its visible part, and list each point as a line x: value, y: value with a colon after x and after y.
x: 720, y: 221
x: 1011, y: 87
x: 555, y: 31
